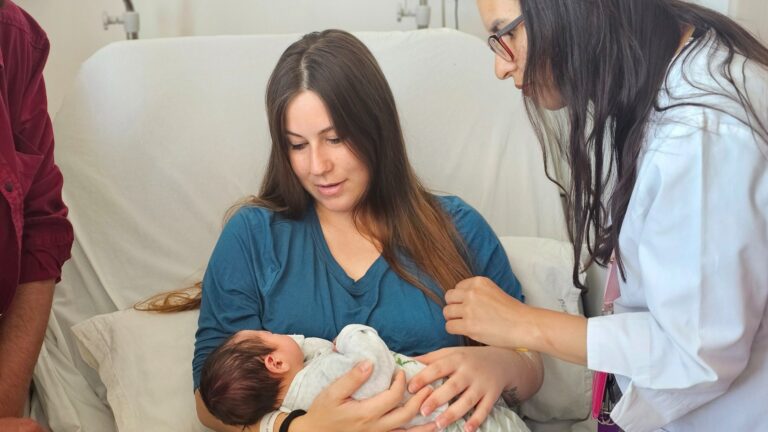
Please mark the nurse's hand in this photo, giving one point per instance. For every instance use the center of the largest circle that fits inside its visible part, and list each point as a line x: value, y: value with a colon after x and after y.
x: 334, y: 409
x: 479, y: 309
x: 476, y: 375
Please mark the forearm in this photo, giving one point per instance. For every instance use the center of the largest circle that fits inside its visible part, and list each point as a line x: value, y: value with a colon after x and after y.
x: 527, y: 375
x: 558, y: 334
x: 298, y: 425
x: 22, y: 331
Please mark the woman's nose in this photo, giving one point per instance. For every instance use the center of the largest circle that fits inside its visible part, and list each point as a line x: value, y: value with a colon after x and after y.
x: 320, y: 163
x: 504, y: 68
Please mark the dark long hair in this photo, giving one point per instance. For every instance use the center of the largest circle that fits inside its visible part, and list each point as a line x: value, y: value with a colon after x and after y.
x: 609, y: 60
x: 414, y: 232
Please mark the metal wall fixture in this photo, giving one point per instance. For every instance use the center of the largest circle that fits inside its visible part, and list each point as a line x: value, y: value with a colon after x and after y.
x: 421, y: 13
x: 129, y: 19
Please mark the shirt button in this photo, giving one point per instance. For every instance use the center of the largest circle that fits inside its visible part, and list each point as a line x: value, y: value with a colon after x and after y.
x: 9, y: 187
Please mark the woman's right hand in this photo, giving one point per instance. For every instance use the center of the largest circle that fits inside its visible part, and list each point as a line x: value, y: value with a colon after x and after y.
x: 334, y: 409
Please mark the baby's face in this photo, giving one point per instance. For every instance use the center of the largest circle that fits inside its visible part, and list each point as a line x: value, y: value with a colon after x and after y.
x: 285, y: 346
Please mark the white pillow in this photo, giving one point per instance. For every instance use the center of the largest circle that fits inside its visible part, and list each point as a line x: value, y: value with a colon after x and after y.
x: 544, y: 268
x: 145, y: 359
x: 145, y: 362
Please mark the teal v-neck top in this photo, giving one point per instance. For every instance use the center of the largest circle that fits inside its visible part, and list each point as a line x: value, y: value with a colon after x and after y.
x: 269, y: 272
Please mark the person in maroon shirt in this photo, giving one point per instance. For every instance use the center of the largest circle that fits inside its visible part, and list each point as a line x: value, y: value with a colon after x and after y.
x: 35, y: 236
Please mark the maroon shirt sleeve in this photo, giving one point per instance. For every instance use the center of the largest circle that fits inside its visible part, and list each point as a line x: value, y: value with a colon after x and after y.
x: 47, y: 235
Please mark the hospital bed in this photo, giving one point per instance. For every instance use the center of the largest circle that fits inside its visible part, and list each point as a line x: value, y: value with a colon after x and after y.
x: 159, y: 137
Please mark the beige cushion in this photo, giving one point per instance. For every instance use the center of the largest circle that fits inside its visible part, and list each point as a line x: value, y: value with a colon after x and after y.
x: 145, y: 361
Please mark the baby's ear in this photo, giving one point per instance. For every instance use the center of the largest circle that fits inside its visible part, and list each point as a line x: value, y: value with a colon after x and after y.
x: 275, y: 364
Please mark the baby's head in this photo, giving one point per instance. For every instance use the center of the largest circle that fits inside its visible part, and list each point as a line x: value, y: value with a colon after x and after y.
x: 248, y: 375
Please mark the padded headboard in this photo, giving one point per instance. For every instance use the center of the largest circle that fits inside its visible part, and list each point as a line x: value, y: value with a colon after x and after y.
x: 159, y: 137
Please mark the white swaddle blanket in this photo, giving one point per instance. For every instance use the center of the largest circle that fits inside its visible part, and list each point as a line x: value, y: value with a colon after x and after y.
x: 355, y: 343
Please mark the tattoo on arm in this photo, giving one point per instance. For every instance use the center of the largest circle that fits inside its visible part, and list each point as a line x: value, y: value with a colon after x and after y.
x: 510, y: 397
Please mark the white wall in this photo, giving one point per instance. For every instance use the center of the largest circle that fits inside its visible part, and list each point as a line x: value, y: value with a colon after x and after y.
x: 718, y: 5
x: 753, y: 14
x: 75, y: 33
x: 301, y: 16
x: 75, y: 30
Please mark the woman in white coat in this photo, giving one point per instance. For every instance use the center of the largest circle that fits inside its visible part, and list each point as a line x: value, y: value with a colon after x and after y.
x: 665, y: 113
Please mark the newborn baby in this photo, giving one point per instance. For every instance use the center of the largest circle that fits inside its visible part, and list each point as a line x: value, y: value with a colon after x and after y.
x: 255, y: 372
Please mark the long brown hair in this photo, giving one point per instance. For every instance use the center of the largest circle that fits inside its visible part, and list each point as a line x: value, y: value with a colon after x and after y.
x: 406, y: 220
x: 609, y: 60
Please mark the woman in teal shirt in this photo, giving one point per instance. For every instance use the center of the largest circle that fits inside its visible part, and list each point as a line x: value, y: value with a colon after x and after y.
x: 343, y: 232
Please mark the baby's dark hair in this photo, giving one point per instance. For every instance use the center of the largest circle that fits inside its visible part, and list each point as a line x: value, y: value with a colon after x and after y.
x: 235, y: 384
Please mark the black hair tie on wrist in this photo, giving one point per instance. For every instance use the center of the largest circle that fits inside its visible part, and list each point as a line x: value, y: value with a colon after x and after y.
x: 291, y: 417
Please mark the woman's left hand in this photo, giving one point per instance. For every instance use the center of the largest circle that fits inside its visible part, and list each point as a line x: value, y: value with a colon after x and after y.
x: 475, y: 374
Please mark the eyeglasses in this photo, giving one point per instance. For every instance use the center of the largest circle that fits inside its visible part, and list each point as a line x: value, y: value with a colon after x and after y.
x: 498, y: 46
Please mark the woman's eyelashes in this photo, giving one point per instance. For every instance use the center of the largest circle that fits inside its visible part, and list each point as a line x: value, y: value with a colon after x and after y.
x: 302, y: 145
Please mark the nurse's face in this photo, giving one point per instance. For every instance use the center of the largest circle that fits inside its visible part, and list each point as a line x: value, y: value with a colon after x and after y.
x: 496, y: 14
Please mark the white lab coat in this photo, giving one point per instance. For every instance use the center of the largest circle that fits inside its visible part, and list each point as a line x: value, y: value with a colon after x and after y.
x: 689, y: 338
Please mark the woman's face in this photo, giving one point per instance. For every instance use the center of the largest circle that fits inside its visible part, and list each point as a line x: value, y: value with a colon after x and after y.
x: 498, y: 13
x: 324, y: 164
